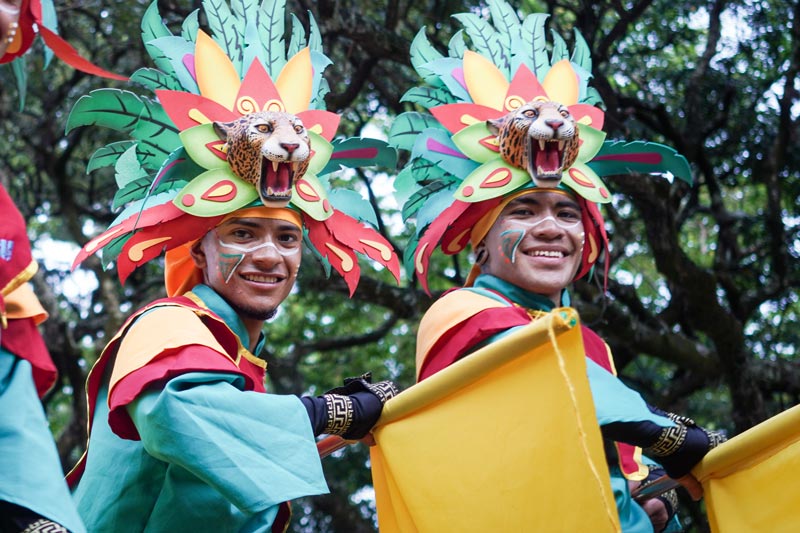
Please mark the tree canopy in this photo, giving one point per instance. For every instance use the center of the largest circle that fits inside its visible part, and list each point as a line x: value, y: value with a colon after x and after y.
x: 701, y: 298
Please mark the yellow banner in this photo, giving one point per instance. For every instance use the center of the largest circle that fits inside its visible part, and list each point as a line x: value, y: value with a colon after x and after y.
x: 503, y: 440
x: 752, y: 482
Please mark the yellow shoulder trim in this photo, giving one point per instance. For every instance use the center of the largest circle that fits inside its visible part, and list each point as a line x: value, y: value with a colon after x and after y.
x: 447, y: 312
x: 26, y: 274
x: 242, y: 351
x: 160, y: 329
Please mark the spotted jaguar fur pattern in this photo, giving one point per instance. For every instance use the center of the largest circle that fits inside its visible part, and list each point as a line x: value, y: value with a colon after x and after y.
x: 540, y: 137
x: 268, y: 149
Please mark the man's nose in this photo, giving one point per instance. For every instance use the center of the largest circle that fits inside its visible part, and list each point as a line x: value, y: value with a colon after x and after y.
x: 267, y: 252
x: 547, y: 226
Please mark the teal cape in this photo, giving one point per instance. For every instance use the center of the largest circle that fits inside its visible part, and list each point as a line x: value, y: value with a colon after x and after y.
x: 212, y: 455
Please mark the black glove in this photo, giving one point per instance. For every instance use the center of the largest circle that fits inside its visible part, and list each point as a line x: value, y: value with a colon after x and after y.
x: 350, y: 410
x: 677, y: 448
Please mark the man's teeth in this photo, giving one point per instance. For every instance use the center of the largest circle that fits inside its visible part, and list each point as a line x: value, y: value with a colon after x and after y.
x: 546, y: 253
x: 262, y: 279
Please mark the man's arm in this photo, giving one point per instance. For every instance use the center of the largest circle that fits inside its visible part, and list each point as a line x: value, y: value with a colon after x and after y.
x: 256, y: 449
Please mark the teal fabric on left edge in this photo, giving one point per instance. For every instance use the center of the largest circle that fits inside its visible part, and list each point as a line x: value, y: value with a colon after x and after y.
x: 632, y: 517
x: 30, y: 469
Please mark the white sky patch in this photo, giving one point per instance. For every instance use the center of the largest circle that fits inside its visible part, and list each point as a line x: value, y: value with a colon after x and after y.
x: 53, y: 255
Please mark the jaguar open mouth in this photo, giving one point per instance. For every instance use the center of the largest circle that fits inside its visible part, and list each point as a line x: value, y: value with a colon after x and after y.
x: 275, y: 182
x: 545, y: 159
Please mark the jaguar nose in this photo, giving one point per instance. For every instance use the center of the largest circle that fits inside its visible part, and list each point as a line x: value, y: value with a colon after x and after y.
x: 554, y: 123
x: 290, y: 147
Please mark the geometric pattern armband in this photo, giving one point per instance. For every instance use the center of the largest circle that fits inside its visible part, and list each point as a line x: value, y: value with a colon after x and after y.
x: 669, y: 441
x: 384, y: 390
x: 340, y: 414
x: 671, y: 497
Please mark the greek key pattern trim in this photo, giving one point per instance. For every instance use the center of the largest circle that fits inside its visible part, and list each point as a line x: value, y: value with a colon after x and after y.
x: 671, y: 496
x: 44, y: 526
x: 340, y: 414
x: 384, y: 390
x: 680, y: 419
x: 715, y: 438
x: 669, y: 441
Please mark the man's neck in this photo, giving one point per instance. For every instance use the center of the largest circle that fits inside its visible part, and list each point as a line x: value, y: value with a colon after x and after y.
x: 247, y: 329
x: 514, y: 293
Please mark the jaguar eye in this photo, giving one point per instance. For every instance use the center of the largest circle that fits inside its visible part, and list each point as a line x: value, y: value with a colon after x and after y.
x: 298, y: 128
x: 530, y: 113
x: 264, y: 128
x: 565, y: 113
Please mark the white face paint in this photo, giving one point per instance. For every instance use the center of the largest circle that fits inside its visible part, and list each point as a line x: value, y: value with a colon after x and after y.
x: 566, y: 223
x: 286, y: 249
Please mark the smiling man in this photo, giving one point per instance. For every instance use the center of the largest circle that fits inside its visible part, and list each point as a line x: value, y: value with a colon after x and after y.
x: 183, y: 434
x: 528, y: 250
x: 178, y: 395
x: 509, y: 161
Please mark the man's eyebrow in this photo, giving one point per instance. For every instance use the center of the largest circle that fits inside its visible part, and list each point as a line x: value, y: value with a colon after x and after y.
x: 253, y: 223
x: 531, y: 200
x: 249, y: 222
x: 568, y: 203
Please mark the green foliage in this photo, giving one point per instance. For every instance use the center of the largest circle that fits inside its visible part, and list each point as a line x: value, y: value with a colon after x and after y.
x: 703, y: 305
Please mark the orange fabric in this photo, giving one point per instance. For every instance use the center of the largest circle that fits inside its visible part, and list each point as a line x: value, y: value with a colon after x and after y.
x: 23, y: 303
x: 180, y: 272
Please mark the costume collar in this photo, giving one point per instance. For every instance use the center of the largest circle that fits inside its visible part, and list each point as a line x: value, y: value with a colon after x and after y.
x: 221, y: 308
x: 514, y: 293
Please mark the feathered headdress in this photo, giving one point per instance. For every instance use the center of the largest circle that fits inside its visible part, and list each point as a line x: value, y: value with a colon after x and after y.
x: 34, y: 17
x: 459, y: 169
x: 181, y: 173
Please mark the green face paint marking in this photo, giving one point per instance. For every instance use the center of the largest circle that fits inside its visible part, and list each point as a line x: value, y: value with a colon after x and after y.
x: 509, y: 243
x: 228, y: 263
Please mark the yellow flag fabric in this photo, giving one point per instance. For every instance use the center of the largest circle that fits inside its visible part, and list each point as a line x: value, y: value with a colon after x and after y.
x: 752, y: 482
x: 503, y: 440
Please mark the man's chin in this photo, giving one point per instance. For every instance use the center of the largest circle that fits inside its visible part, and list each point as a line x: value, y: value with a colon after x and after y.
x: 256, y: 314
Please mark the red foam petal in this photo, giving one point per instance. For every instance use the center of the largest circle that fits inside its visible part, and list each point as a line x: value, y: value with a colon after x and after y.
x: 69, y: 55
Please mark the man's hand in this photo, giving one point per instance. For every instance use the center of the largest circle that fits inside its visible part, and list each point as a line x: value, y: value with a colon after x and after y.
x: 354, y: 408
x: 693, y: 486
x: 656, y: 510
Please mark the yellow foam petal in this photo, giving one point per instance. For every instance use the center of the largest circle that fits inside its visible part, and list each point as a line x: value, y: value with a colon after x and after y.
x: 485, y: 83
x: 561, y: 83
x: 385, y: 251
x: 294, y: 82
x: 136, y: 251
x: 347, y: 261
x: 216, y: 76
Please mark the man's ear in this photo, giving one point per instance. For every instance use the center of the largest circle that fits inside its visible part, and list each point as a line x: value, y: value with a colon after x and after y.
x: 198, y: 254
x: 481, y: 255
